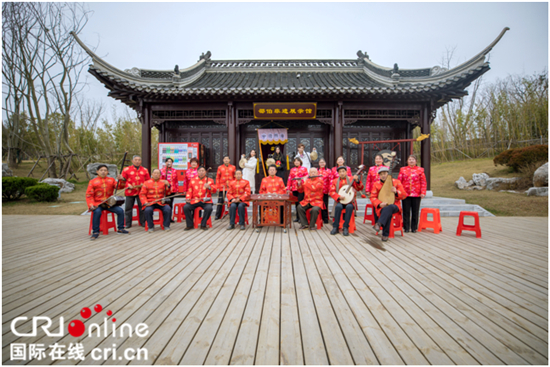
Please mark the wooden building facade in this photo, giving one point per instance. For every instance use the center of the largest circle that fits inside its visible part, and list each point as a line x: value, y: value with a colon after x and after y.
x: 212, y: 102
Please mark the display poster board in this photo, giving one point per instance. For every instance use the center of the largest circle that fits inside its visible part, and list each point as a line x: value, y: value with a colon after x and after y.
x: 181, y: 153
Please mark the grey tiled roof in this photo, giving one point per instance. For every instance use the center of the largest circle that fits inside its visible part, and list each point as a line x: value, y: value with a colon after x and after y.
x: 311, y: 78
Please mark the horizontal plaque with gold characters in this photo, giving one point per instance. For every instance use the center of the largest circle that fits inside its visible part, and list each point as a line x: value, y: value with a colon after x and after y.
x: 285, y: 111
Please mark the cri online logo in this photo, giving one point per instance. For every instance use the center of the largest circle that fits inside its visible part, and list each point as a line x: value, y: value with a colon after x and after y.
x: 77, y: 328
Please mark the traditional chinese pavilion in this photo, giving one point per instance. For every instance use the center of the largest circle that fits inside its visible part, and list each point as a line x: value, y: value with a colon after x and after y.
x: 212, y: 102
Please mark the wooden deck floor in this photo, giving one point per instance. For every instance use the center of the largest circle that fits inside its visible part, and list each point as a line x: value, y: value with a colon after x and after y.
x: 305, y: 297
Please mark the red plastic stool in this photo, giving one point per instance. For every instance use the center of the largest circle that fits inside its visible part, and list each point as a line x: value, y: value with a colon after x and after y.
x: 369, y: 216
x: 435, y: 223
x: 104, y: 223
x: 319, y: 219
x: 136, y: 217
x: 395, y: 225
x: 197, y: 218
x: 178, y: 215
x: 464, y: 227
x: 245, y: 216
x: 351, y: 228
x: 156, y: 221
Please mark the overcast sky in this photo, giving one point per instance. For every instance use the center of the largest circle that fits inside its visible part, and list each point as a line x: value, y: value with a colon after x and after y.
x: 414, y: 35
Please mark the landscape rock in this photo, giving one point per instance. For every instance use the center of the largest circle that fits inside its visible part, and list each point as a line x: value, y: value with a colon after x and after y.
x: 470, y: 183
x: 64, y: 186
x: 499, y: 183
x: 6, y: 171
x: 461, y: 183
x: 480, y: 179
x: 475, y: 187
x: 537, y: 191
x: 540, y: 178
x: 92, y: 170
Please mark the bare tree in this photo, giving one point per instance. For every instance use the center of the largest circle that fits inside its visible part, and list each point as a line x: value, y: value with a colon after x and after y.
x: 42, y: 66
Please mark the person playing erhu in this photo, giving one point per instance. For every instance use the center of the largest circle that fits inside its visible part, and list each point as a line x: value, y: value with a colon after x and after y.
x: 339, y: 182
x: 238, y: 196
x: 99, y: 190
x: 384, y: 210
x: 151, y: 191
x: 169, y: 174
x: 292, y: 185
x: 199, y: 195
x: 313, y: 199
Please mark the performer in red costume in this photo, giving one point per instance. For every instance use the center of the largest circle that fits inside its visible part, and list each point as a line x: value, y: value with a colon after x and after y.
x: 152, y: 190
x: 134, y: 176
x: 99, y: 189
x: 199, y: 194
x: 313, y: 199
x: 385, y: 211
x: 238, y: 196
x: 414, y: 181
x: 343, y: 180
x: 225, y: 174
x: 292, y: 185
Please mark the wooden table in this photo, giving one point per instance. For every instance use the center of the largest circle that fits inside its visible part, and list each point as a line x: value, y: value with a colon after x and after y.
x: 269, y: 204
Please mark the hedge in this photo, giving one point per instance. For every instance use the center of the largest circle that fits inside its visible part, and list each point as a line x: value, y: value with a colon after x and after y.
x: 14, y: 187
x: 42, y: 192
x: 521, y: 157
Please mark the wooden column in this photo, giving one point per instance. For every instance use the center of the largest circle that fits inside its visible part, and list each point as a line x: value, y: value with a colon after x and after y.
x: 146, y: 137
x: 425, y: 145
x: 338, y: 130
x: 232, y: 133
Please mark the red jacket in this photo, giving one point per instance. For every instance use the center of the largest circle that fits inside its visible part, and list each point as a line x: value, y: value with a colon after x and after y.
x: 239, y: 189
x: 196, y: 191
x: 173, y: 179
x: 413, y: 180
x: 313, y: 189
x: 135, y: 177
x: 100, y: 189
x: 190, y: 174
x: 294, y: 173
x: 372, y: 178
x: 153, y: 190
x: 225, y: 175
x: 327, y: 178
x: 272, y: 185
x: 376, y: 189
x: 358, y: 186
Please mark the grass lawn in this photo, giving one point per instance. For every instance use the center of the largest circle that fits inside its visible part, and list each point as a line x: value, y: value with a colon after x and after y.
x: 444, y: 176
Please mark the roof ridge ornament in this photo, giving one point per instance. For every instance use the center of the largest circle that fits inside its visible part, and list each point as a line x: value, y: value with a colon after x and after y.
x: 205, y: 57
x: 395, y: 72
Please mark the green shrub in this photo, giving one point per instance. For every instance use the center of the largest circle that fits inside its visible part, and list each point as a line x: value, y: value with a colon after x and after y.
x: 72, y: 180
x: 42, y: 192
x: 522, y: 157
x: 14, y: 187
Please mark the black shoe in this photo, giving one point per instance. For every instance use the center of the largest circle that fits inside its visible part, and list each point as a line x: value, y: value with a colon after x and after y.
x: 296, y: 220
x: 172, y: 221
x: 346, y: 231
x: 406, y: 231
x: 325, y: 221
x: 334, y: 231
x: 122, y: 231
x: 230, y: 227
x: 127, y: 227
x: 188, y: 228
x: 304, y: 227
x: 377, y: 227
x: 204, y: 228
x: 94, y: 236
x: 216, y: 218
x: 243, y: 228
x: 313, y: 228
x: 413, y: 231
x: 384, y: 238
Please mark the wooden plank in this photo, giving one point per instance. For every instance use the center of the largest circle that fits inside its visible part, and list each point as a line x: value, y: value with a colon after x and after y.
x: 244, y: 351
x: 291, y: 338
x: 312, y: 339
x: 267, y: 351
x: 335, y: 343
x: 202, y: 342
